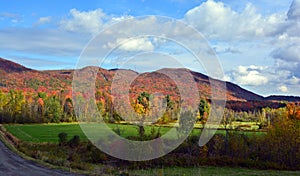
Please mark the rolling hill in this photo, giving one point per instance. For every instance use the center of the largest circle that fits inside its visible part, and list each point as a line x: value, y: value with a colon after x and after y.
x: 18, y: 77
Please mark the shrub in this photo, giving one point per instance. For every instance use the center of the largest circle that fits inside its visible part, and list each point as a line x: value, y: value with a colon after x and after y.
x: 73, y: 156
x: 74, y: 142
x: 237, y: 145
x: 118, y: 131
x: 62, y: 138
x: 216, y: 146
x: 98, y: 156
x: 281, y: 144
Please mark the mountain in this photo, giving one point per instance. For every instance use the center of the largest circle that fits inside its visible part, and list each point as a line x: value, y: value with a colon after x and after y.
x: 241, y: 93
x: 234, y: 92
x: 16, y: 76
x: 9, y: 66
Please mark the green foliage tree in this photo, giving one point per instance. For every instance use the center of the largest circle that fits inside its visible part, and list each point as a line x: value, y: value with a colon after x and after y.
x: 3, y: 103
x: 228, y: 118
x: 42, y: 95
x: 226, y: 121
x: 14, y: 105
x: 68, y: 110
x: 3, y: 100
x: 18, y: 107
x: 281, y: 143
x: 170, y: 103
x: 204, y: 109
x: 170, y: 110
x: 53, y: 109
x: 144, y: 100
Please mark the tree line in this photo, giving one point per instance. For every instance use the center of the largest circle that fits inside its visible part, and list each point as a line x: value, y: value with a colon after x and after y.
x: 19, y: 107
x: 23, y: 107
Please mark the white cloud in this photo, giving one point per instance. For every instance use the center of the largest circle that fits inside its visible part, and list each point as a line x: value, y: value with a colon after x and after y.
x: 283, y: 88
x: 294, y: 11
x: 139, y: 44
x: 255, y: 67
x: 264, y: 80
x: 40, y: 41
x: 85, y: 21
x: 245, y: 69
x: 226, y: 78
x: 227, y: 50
x: 291, y: 52
x: 218, y: 21
x: 13, y: 17
x: 294, y: 80
x: 287, y: 43
x: 288, y: 40
x: 278, y: 36
x: 253, y: 78
x: 249, y: 75
x: 132, y: 44
x: 242, y: 70
x: 91, y: 22
x: 43, y: 20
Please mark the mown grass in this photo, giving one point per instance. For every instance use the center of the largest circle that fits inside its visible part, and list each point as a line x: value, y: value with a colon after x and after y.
x: 198, y: 171
x: 49, y: 132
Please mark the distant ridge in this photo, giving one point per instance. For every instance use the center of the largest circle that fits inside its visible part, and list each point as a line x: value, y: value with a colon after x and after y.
x: 9, y: 66
x: 283, y: 98
x: 118, y: 69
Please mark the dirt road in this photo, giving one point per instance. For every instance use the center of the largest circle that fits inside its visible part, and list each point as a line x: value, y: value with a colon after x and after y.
x: 13, y: 165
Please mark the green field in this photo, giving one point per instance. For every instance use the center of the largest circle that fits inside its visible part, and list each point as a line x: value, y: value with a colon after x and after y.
x: 198, y: 171
x: 49, y: 132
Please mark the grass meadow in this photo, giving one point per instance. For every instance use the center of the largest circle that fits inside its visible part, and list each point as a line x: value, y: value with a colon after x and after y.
x: 49, y: 132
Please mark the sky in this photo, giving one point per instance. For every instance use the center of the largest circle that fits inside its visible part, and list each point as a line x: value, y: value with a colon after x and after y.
x: 256, y: 42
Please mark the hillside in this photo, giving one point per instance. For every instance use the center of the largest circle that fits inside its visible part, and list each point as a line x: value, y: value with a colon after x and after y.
x: 9, y: 66
x: 16, y: 76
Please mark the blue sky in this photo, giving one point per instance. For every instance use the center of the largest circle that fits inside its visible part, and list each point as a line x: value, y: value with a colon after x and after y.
x: 257, y: 42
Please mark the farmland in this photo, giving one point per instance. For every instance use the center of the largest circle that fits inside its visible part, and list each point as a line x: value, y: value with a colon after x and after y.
x: 41, y: 141
x: 44, y: 137
x: 49, y: 132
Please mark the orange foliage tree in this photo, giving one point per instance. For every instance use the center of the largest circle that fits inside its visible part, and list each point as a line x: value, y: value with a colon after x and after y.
x: 293, y: 111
